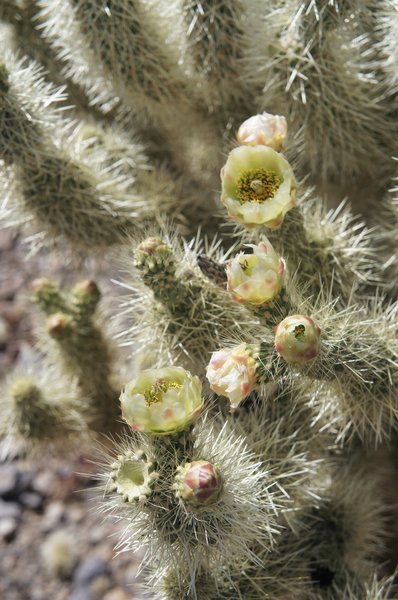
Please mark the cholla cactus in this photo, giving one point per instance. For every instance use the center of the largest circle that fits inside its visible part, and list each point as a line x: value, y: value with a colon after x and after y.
x: 254, y: 420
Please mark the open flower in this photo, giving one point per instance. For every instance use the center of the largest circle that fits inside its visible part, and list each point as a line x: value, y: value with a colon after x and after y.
x: 162, y: 401
x: 232, y: 373
x: 256, y: 278
x: 297, y: 339
x: 258, y: 186
x: 264, y: 129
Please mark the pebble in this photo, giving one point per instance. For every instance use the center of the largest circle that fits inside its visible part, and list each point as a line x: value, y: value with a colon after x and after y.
x: 8, y: 529
x: 8, y: 480
x: 31, y: 500
x: 82, y: 593
x: 100, y: 585
x: 4, y: 333
x: 10, y: 510
x: 53, y: 516
x: 24, y: 481
x: 91, y: 568
x: 117, y: 594
x: 45, y: 483
x: 76, y: 513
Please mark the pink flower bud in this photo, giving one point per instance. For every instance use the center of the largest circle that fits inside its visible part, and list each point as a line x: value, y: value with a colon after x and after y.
x: 232, y: 373
x: 257, y: 278
x: 297, y: 339
x: 263, y: 130
x: 198, y: 483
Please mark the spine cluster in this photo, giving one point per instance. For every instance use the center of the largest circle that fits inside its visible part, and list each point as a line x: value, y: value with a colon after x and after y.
x: 248, y: 375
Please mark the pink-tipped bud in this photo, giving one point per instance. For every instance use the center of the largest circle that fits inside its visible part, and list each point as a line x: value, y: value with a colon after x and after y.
x: 151, y: 245
x: 59, y: 325
x: 256, y: 278
x: 198, y: 483
x: 297, y: 339
x: 263, y: 130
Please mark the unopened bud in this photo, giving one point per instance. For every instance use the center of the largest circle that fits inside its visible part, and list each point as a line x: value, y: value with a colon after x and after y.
x: 297, y: 339
x: 59, y: 325
x: 263, y: 130
x: 198, y: 483
x: 86, y: 296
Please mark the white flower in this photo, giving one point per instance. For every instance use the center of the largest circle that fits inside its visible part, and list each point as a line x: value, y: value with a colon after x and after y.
x: 232, y: 373
x: 258, y: 186
x: 256, y: 278
x: 297, y: 339
x: 162, y: 401
x: 263, y: 130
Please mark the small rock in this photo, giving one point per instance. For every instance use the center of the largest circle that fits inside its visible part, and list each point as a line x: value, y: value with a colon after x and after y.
x: 53, y: 516
x: 7, y: 240
x: 100, y: 585
x: 91, y: 568
x: 96, y: 535
x: 45, y: 483
x: 8, y: 481
x: 31, y: 500
x: 8, y: 529
x: 10, y: 510
x: 117, y: 594
x: 4, y: 333
x: 82, y: 593
x: 24, y: 482
x: 76, y: 513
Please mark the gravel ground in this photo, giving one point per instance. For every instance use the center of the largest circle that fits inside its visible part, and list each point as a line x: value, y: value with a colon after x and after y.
x: 53, y: 544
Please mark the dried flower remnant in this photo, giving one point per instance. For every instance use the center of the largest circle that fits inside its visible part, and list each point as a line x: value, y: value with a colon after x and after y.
x: 132, y: 476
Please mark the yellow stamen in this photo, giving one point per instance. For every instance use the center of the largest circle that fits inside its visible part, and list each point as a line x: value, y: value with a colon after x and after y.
x: 244, y: 265
x: 257, y: 185
x: 155, y: 393
x: 299, y: 332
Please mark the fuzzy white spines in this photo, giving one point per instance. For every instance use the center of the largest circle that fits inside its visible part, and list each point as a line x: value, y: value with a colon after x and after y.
x: 209, y: 533
x: 179, y: 310
x: 211, y: 26
x: 358, y: 365
x: 105, y: 42
x: 70, y: 183
x: 78, y: 340
x: 328, y: 249
x: 40, y: 412
x: 315, y: 46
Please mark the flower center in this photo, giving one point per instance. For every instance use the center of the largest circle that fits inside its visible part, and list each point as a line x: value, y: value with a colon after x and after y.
x: 155, y: 393
x: 299, y: 332
x: 257, y: 185
x: 247, y: 265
